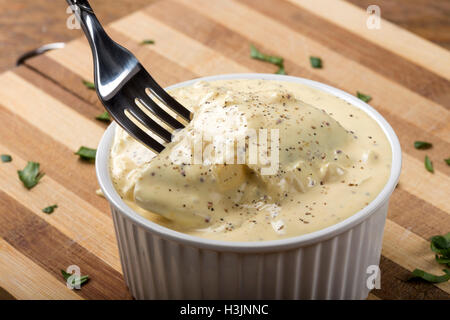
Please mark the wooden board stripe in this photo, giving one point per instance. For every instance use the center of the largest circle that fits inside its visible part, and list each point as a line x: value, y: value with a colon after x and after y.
x: 78, y: 54
x: 394, y: 285
x: 70, y: 77
x: 24, y: 99
x: 410, y: 46
x: 408, y: 133
x: 441, y: 130
x: 25, y: 279
x: 5, y: 295
x: 417, y: 215
x: 410, y: 251
x: 372, y: 297
x: 346, y: 74
x: 193, y: 51
x: 75, y: 218
x: 76, y: 96
x: 19, y: 132
x: 57, y: 160
x: 433, y: 188
x: 378, y: 59
x: 32, y: 236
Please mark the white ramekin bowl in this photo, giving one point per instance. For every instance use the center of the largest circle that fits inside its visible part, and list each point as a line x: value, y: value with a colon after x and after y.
x: 332, y: 263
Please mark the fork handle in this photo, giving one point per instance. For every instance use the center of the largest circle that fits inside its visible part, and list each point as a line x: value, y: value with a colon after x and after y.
x: 107, y: 54
x: 89, y: 22
x: 82, y: 4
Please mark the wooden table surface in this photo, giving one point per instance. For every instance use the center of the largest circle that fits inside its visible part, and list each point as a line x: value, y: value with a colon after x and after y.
x: 46, y: 114
x: 27, y: 24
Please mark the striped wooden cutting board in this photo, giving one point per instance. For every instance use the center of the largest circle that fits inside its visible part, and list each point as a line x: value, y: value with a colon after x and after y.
x: 46, y: 114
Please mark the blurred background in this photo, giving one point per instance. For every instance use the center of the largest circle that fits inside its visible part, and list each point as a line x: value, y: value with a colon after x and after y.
x: 27, y: 24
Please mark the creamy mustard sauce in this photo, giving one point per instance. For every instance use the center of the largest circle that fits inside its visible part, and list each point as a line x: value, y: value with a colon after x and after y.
x: 332, y: 159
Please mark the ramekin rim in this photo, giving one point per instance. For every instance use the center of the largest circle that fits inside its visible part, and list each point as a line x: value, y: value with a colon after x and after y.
x: 106, y: 185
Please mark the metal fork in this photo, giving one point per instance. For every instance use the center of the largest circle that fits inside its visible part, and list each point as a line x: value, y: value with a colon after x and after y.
x: 121, y: 82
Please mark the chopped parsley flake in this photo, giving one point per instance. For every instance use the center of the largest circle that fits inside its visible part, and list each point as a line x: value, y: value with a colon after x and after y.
x: 30, y: 175
x: 440, y: 245
x: 429, y: 165
x: 50, y: 209
x: 105, y: 117
x: 147, y: 41
x: 86, y: 154
x: 74, y: 281
x: 6, y: 158
x: 418, y: 273
x: 280, y: 70
x: 363, y: 97
x: 89, y: 85
x: 316, y: 62
x: 422, y: 145
x: 258, y: 55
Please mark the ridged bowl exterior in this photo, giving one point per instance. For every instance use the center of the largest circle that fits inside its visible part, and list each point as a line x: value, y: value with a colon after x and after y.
x: 158, y: 268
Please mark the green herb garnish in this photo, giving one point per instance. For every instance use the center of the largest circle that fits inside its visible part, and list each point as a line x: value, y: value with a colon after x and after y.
x: 86, y: 154
x: 50, y: 209
x: 429, y: 164
x: 30, y: 175
x: 281, y: 70
x: 6, y: 158
x: 82, y: 279
x: 447, y: 161
x: 258, y: 55
x: 441, y: 260
x: 104, y: 117
x: 363, y: 97
x: 422, y: 145
x: 441, y: 246
x: 417, y: 273
x: 148, y: 41
x: 316, y: 62
x: 89, y: 85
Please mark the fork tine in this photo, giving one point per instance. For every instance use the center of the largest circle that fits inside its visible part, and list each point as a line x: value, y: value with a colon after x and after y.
x: 139, y: 134
x: 167, y: 99
x: 149, y: 123
x: 152, y: 106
